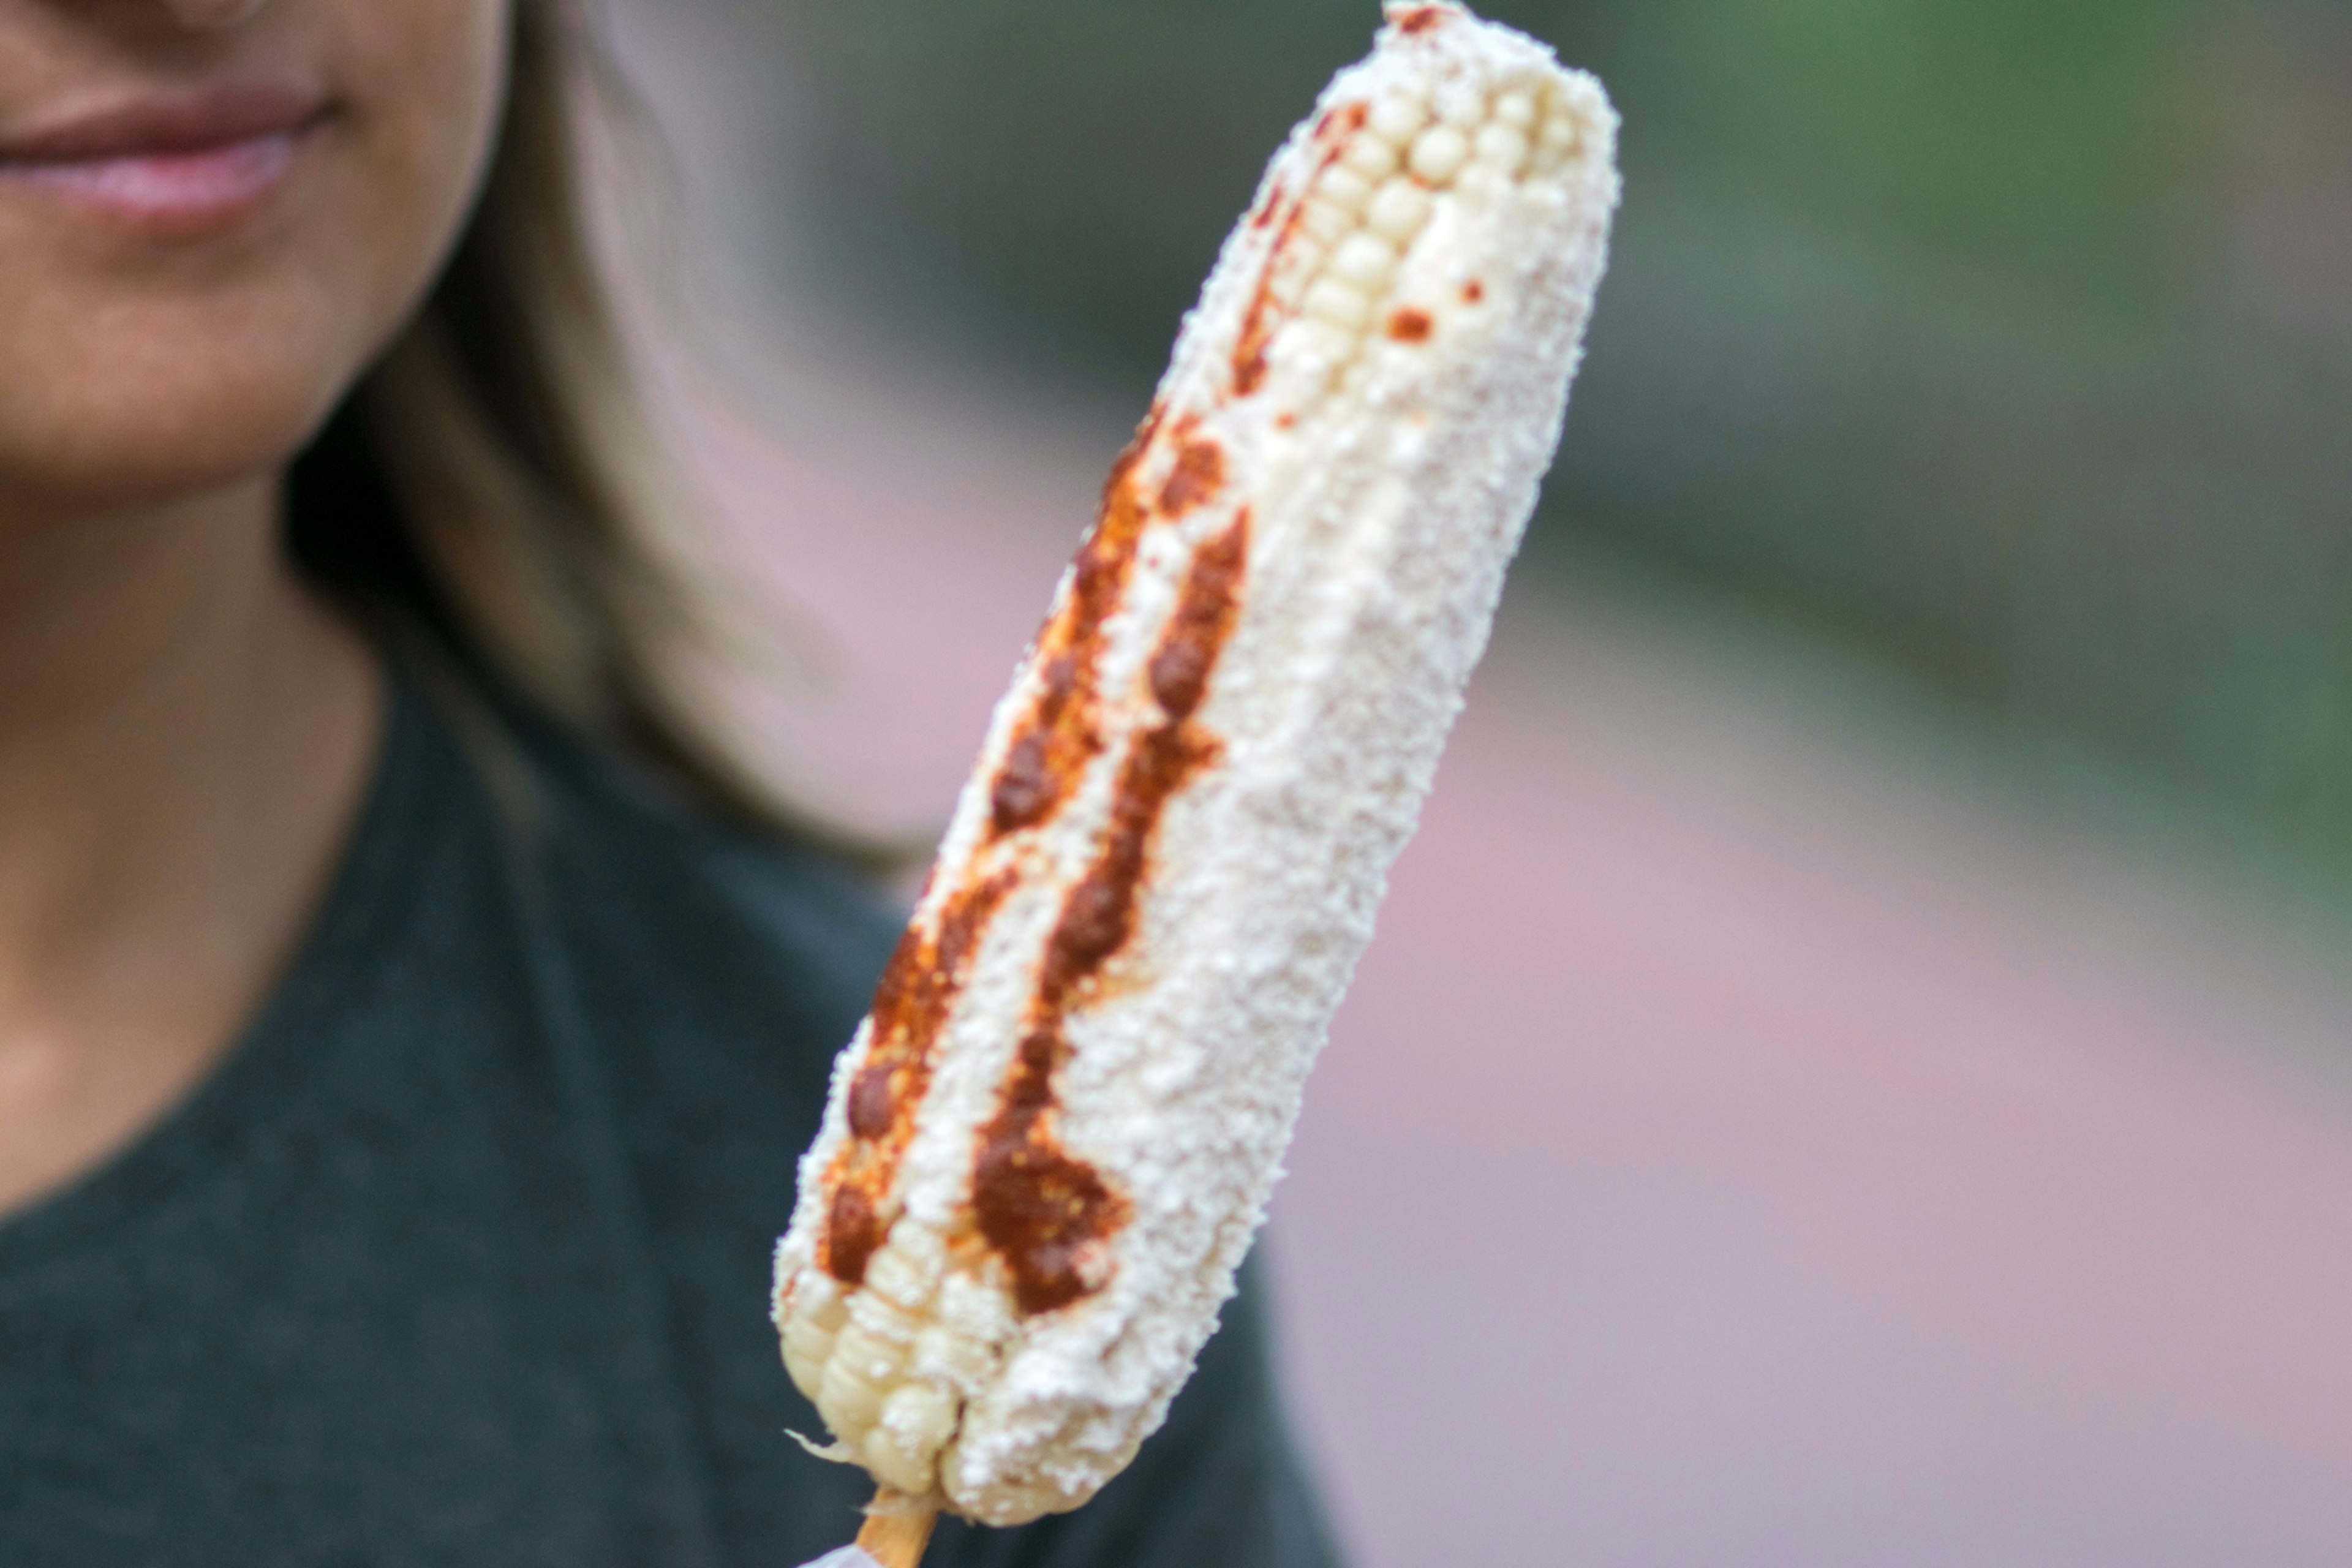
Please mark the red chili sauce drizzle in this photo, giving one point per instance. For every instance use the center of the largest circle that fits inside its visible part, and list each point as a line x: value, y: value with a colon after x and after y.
x: 1061, y: 733
x: 1257, y: 325
x: 1198, y: 476
x: 1419, y: 21
x: 1410, y: 326
x: 1267, y: 208
x: 910, y: 1006
x: 925, y: 975
x: 1046, y: 1213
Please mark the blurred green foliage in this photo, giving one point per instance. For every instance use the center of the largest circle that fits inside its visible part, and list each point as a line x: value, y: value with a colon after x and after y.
x: 2007, y: 339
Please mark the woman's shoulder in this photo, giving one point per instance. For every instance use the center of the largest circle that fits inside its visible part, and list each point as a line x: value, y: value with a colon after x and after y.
x: 678, y: 914
x: 712, y: 970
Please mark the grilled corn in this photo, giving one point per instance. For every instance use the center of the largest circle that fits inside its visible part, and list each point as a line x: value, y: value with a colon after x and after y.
x: 1048, y: 1146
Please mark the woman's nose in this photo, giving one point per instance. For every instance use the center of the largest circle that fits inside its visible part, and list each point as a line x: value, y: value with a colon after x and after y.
x: 209, y: 14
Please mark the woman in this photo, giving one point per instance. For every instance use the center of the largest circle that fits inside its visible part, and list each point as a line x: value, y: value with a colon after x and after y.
x: 406, y: 1027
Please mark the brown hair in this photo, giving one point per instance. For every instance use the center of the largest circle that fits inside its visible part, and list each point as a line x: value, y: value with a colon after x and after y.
x: 489, y: 501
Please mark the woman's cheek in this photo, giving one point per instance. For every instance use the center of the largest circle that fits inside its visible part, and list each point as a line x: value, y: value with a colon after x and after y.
x: 426, y: 80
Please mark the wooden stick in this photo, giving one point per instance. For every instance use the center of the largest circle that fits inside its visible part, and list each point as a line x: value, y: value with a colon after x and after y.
x: 896, y: 1529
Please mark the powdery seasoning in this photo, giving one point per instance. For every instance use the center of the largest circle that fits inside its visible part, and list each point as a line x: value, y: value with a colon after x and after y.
x: 1049, y: 1147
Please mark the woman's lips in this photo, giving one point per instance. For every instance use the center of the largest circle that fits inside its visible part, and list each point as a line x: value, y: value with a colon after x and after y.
x: 186, y: 166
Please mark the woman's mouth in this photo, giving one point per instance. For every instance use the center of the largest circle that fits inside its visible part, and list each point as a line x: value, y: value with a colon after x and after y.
x: 187, y: 165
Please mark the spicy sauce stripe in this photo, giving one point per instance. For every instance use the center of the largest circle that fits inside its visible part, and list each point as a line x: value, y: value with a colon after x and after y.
x: 1046, y: 1213
x: 1060, y: 734
x: 910, y: 1008
x: 1063, y: 732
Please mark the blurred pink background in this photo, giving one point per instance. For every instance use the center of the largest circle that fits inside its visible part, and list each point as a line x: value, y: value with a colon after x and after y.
x: 1763, y: 1132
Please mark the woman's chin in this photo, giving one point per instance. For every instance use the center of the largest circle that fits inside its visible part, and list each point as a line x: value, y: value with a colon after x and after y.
x: 153, y: 393
x: 139, y: 452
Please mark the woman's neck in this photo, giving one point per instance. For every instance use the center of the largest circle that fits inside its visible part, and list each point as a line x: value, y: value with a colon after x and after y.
x: 184, y: 735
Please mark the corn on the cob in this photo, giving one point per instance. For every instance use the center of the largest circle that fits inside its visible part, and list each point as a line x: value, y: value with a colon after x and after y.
x: 1047, y: 1148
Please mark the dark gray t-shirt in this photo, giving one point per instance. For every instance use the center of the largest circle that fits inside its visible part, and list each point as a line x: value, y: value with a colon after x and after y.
x: 462, y: 1258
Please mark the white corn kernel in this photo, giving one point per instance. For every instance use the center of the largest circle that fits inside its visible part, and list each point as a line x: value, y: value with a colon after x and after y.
x: 1439, y: 153
x: 1398, y: 210
x: 976, y: 1307
x: 1516, y: 109
x: 920, y: 1417
x: 893, y: 1466
x: 806, y: 1350
x: 1482, y: 184
x: 875, y: 1361
x: 807, y: 1319
x: 1500, y: 147
x: 1344, y: 188
x: 959, y: 1359
x: 1398, y: 120
x: 1325, y: 222
x: 1371, y: 157
x: 1460, y: 104
x: 882, y: 1319
x: 1334, y: 302
x: 1364, y: 262
x: 847, y: 1402
x: 921, y: 1246
x: 1318, y: 346
x: 898, y: 1274
x: 819, y: 1300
